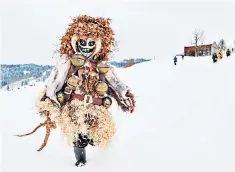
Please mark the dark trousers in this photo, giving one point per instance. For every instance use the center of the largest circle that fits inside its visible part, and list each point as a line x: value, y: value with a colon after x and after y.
x: 80, y: 154
x: 80, y: 147
x: 175, y: 63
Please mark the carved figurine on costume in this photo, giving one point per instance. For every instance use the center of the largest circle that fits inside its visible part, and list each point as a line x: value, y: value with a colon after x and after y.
x: 82, y: 84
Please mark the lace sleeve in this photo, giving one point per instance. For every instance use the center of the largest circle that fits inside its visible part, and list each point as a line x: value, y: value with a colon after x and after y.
x: 57, y: 78
x: 116, y: 84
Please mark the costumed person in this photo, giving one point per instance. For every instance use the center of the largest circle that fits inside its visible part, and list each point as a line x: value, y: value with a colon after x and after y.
x: 82, y: 85
x: 214, y: 57
x: 228, y: 52
x: 220, y: 54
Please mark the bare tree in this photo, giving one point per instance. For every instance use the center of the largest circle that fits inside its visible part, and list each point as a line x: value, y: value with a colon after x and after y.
x: 198, y: 38
x: 222, y: 44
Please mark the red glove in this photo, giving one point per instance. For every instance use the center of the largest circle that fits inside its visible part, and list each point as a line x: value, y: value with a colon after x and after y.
x: 131, y: 101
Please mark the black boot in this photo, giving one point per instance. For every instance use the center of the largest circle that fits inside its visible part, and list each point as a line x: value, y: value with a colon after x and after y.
x: 79, y: 149
x: 80, y: 154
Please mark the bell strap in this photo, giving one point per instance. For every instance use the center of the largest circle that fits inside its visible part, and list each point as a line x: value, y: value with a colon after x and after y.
x: 72, y: 71
x: 102, y: 77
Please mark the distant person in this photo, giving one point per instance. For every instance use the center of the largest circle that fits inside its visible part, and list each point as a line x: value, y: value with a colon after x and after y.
x: 182, y: 56
x: 175, y: 60
x: 232, y: 49
x: 228, y: 53
x: 220, y: 54
x: 214, y: 57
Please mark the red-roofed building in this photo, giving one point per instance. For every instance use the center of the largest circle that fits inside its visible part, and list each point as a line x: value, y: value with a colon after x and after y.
x: 203, y: 50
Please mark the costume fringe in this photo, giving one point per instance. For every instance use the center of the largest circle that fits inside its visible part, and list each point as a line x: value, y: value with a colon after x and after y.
x: 77, y: 117
x: 92, y: 119
x: 46, y: 105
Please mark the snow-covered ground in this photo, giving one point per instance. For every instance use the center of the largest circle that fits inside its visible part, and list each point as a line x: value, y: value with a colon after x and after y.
x: 184, y: 122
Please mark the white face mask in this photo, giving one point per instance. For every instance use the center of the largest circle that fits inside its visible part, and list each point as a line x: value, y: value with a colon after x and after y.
x: 86, y: 46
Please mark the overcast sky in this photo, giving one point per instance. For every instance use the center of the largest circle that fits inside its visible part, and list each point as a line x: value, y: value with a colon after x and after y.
x: 30, y: 29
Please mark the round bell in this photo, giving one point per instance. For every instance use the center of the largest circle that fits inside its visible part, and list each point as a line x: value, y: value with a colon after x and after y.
x: 73, y: 82
x: 77, y: 60
x: 101, y: 88
x: 60, y: 97
x: 107, y: 102
x: 103, y: 67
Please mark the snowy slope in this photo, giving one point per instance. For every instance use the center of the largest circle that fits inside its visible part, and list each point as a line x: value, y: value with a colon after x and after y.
x: 184, y: 122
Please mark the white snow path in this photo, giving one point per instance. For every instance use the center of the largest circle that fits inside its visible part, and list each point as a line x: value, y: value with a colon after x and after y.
x: 184, y: 122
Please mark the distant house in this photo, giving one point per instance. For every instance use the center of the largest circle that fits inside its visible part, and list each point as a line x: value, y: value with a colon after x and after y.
x: 203, y: 50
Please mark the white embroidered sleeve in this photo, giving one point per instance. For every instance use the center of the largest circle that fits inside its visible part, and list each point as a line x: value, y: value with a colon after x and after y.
x: 116, y: 83
x: 57, y: 78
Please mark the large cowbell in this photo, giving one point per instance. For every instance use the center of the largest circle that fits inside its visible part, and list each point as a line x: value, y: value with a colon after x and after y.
x: 78, y: 60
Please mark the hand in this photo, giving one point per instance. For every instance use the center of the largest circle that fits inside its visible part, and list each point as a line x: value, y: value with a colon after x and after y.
x: 130, y: 100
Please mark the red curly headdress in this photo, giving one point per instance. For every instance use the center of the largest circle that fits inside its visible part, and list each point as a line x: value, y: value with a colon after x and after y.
x: 97, y: 28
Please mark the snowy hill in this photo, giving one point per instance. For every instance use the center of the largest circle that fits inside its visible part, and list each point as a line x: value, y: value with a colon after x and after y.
x: 22, y: 72
x: 184, y: 122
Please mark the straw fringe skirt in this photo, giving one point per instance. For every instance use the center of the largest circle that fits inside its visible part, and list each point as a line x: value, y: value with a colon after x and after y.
x: 77, y: 117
